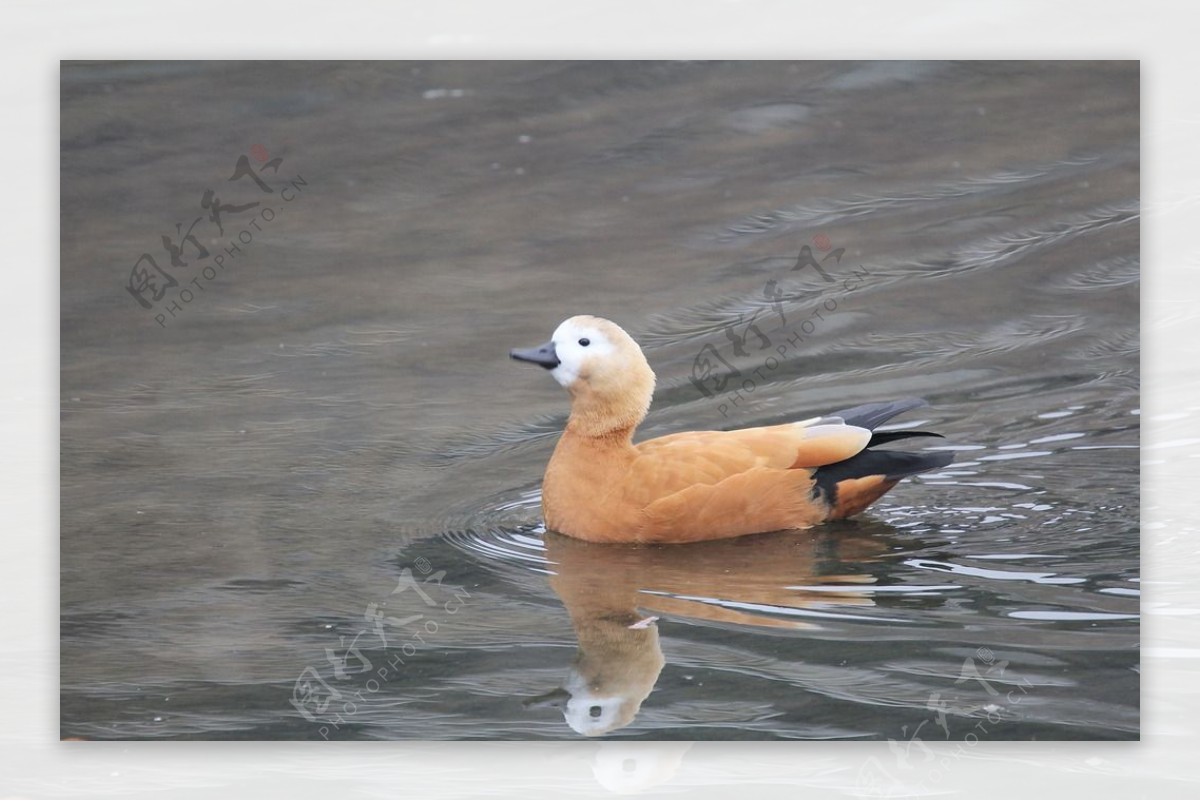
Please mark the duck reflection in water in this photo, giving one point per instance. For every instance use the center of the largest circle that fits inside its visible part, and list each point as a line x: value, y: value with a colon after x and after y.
x: 616, y: 593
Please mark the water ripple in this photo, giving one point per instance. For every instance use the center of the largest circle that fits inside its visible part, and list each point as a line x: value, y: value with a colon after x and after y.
x: 838, y: 211
x: 1104, y: 275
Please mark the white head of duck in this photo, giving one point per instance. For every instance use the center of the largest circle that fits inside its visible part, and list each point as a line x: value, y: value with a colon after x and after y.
x: 606, y: 373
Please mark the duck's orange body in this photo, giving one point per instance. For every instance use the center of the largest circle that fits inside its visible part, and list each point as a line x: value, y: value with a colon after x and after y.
x: 704, y: 485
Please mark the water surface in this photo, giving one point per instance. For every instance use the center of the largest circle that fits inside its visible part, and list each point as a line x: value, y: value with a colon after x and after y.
x: 305, y: 504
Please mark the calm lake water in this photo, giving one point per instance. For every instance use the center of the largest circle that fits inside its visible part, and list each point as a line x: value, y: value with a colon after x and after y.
x: 302, y: 502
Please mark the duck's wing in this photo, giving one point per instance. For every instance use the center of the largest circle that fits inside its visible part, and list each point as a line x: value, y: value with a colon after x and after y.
x: 719, y: 454
x: 707, y: 485
x: 756, y: 500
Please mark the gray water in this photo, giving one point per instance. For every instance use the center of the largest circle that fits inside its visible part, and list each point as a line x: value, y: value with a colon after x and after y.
x: 303, y: 502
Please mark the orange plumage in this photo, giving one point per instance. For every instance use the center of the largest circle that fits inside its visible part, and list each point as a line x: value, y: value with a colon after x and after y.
x: 699, y: 485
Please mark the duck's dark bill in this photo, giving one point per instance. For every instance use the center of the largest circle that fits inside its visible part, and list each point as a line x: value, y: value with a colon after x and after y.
x: 556, y: 698
x: 544, y: 355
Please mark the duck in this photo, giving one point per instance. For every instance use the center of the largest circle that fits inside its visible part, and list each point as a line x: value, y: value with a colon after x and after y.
x: 601, y: 486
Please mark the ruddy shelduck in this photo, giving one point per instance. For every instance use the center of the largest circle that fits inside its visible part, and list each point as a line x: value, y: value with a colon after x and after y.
x: 699, y: 485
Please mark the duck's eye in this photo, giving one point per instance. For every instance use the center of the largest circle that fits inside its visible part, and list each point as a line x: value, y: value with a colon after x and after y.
x: 585, y: 342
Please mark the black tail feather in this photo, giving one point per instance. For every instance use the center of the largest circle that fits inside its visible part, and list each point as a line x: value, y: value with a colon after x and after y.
x: 870, y: 415
x: 892, y: 465
x: 880, y: 437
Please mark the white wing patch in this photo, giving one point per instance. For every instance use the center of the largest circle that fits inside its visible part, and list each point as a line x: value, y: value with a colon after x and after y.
x: 814, y: 421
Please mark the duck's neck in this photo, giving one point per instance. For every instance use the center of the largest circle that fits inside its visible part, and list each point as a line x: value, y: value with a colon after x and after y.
x: 596, y: 432
x: 606, y: 420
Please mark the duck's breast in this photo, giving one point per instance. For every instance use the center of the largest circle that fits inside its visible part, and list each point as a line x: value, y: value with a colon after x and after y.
x: 582, y: 493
